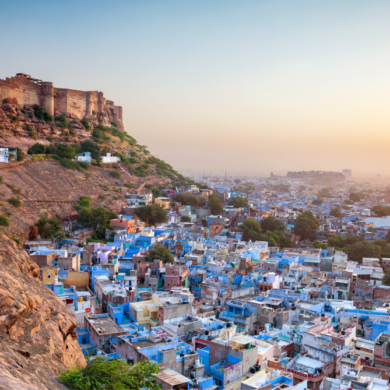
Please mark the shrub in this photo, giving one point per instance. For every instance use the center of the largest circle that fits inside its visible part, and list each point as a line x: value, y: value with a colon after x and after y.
x: 5, y: 101
x: 50, y: 138
x: 73, y: 165
x: 115, y: 175
x: 116, y: 197
x: 114, y: 124
x: 40, y: 113
x: 4, y: 221
x: 1, y: 179
x: 15, y: 239
x: 15, y: 202
x: 2, y: 127
x: 12, y: 118
x: 51, y: 149
x: 128, y: 185
x: 85, y: 123
x: 32, y: 134
x: 84, y: 164
x: 28, y: 128
x: 37, y: 149
x: 85, y: 201
x: 102, y: 197
x: 93, y: 112
x: 19, y: 155
x: 23, y: 111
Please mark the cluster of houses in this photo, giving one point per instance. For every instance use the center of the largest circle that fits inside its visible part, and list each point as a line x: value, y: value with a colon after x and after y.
x: 227, y: 313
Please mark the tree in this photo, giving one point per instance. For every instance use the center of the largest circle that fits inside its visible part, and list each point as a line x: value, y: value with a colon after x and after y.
x: 185, y: 219
x: 363, y: 249
x: 92, y: 147
x: 101, y: 218
x: 381, y: 211
x: 324, y: 193
x: 239, y: 201
x: 251, y: 230
x: 189, y: 199
x: 386, y: 278
x: 159, y: 252
x: 319, y: 245
x: 49, y: 227
x: 156, y: 192
x: 335, y: 212
x: 37, y: 149
x: 112, y: 374
x: 387, y: 238
x: 306, y: 225
x: 354, y: 197
x: 272, y: 224
x: 66, y: 151
x: 19, y: 155
x: 204, y: 222
x: 316, y: 202
x: 4, y: 221
x: 237, y: 181
x: 151, y: 214
x: 215, y: 205
x: 337, y: 242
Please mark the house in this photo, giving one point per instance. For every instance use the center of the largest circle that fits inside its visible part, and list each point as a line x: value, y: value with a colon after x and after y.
x: 165, y: 203
x: 85, y: 156
x: 109, y: 159
x: 4, y: 155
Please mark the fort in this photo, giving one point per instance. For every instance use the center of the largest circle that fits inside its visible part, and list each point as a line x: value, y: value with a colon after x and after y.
x: 24, y: 90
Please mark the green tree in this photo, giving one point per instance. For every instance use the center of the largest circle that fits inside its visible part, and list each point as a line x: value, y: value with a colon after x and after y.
x: 66, y: 151
x: 363, y: 249
x: 319, y: 245
x: 37, y: 149
x: 386, y: 278
x: 354, y: 197
x: 101, y: 218
x: 306, y: 225
x: 381, y: 211
x: 85, y: 201
x: 335, y: 212
x: 324, y: 193
x: 92, y: 147
x: 272, y: 224
x: 251, y: 230
x: 49, y: 227
x: 204, y: 222
x: 239, y: 201
x: 215, y: 205
x: 85, y: 217
x: 19, y: 155
x: 159, y: 252
x: 237, y: 181
x: 317, y: 202
x: 337, y: 242
x: 185, y: 219
x: 151, y: 214
x: 189, y: 199
x: 387, y: 238
x: 112, y: 374
x: 156, y: 192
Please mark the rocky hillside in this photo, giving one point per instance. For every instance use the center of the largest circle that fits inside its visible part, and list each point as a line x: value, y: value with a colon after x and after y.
x: 36, y: 330
x: 47, y: 188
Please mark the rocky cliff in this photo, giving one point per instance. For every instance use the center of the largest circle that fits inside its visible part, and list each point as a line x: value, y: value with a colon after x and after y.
x: 37, y: 332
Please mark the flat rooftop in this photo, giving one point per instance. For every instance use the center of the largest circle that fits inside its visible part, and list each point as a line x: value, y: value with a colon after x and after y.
x: 104, y: 325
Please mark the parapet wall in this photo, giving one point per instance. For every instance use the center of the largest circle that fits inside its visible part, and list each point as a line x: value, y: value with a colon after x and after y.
x: 76, y: 104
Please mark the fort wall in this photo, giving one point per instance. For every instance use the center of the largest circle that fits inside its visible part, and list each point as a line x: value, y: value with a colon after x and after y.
x: 26, y: 91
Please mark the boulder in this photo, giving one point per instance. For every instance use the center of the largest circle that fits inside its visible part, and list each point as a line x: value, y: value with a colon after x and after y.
x: 36, y: 328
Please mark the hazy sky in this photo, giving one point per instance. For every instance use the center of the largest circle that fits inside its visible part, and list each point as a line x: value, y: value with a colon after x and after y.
x: 246, y: 86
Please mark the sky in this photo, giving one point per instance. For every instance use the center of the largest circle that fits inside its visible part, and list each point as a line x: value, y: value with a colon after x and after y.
x: 248, y: 86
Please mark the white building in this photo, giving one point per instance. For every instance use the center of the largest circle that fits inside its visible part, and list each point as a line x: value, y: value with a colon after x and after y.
x: 109, y: 159
x: 86, y: 156
x: 378, y: 222
x: 4, y: 155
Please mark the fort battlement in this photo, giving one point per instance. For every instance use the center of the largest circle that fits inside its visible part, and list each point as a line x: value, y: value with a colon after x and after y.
x: 24, y: 90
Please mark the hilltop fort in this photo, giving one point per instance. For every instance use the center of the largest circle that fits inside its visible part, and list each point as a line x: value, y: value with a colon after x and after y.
x: 24, y: 90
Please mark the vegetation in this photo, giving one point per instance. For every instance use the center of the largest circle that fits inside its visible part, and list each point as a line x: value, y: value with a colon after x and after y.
x: 386, y: 278
x: 98, y: 218
x: 41, y: 114
x: 354, y: 197
x: 74, y: 165
x: 281, y: 187
x: 324, y: 193
x: 247, y: 188
x: 381, y: 210
x: 215, y: 205
x: 319, y: 245
x: 306, y: 225
x: 113, y: 374
x: 185, y: 219
x: 251, y: 230
x: 239, y: 201
x: 85, y: 201
x: 189, y: 199
x: 85, y: 123
x: 317, y: 202
x: 49, y: 227
x: 272, y: 224
x: 92, y: 147
x: 335, y: 212
x: 151, y: 214
x: 4, y: 221
x: 15, y: 202
x: 204, y: 222
x: 159, y: 252
x: 37, y: 149
x: 276, y: 238
x: 115, y: 174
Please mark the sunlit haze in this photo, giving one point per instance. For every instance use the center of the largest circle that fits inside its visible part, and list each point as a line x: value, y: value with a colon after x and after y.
x: 244, y: 86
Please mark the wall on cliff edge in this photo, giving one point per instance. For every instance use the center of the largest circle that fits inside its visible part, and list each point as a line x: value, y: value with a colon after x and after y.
x: 37, y: 332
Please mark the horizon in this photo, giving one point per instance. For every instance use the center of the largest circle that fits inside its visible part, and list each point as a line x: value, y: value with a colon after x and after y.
x: 249, y: 87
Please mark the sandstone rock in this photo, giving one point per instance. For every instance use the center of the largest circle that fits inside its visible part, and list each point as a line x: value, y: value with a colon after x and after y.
x: 35, y: 326
x: 9, y: 108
